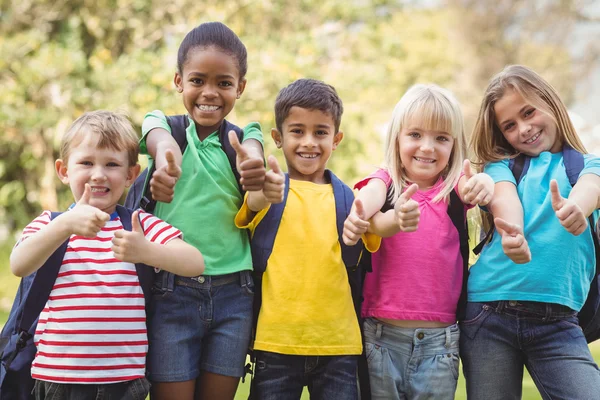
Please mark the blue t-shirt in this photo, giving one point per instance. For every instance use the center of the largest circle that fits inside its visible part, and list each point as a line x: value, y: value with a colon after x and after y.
x: 562, y: 265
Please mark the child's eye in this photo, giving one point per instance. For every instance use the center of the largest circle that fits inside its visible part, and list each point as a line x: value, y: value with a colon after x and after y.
x: 529, y: 112
x: 508, y: 126
x: 415, y: 135
x: 321, y: 133
x: 443, y: 139
x: 197, y: 81
x: 112, y: 164
x: 297, y: 131
x: 226, y: 84
x: 87, y: 163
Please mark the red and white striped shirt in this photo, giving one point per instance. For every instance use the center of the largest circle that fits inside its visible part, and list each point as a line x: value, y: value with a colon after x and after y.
x: 93, y: 327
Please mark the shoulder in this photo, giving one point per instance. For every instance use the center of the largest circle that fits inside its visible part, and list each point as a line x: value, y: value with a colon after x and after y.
x: 380, y: 174
x: 591, y: 164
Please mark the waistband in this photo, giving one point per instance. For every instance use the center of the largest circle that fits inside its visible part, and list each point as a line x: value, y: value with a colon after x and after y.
x: 206, y: 281
x: 531, y: 308
x: 446, y: 335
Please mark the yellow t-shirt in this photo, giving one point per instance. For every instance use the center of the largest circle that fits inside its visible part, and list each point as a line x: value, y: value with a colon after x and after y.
x: 306, y: 306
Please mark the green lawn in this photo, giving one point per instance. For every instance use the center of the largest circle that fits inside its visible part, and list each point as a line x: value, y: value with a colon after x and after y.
x: 9, y: 284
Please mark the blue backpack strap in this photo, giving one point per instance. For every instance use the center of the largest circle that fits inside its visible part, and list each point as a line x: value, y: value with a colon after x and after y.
x: 458, y: 215
x: 224, y: 129
x: 265, y: 232
x: 144, y: 272
x: 519, y: 166
x: 574, y: 163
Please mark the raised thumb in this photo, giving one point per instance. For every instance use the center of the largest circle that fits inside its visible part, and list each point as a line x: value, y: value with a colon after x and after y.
x: 86, y: 196
x: 237, y: 146
x: 557, y: 199
x: 359, y: 209
x: 274, y: 164
x: 136, y: 226
x: 409, y: 192
x: 467, y: 169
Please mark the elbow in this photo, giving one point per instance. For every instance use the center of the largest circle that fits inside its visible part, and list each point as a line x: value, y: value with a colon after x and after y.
x: 16, y: 268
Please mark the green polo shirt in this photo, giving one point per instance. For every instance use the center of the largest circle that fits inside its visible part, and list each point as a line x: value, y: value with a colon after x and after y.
x: 207, y: 198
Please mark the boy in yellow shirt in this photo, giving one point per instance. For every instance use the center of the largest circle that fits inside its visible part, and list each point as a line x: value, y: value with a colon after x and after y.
x: 307, y: 332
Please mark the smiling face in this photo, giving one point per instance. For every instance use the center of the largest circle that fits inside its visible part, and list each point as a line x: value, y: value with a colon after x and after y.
x: 106, y: 170
x: 527, y: 129
x: 307, y: 140
x: 210, y: 83
x: 424, y: 154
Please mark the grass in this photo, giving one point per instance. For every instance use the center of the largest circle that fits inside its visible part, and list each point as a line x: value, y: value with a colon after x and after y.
x: 8, y: 289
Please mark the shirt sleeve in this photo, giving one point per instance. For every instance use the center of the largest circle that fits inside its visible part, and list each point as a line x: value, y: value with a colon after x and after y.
x: 379, y: 174
x: 591, y: 165
x: 156, y: 230
x: 154, y: 119
x: 34, y: 226
x: 248, y: 219
x: 253, y: 131
x: 500, y: 172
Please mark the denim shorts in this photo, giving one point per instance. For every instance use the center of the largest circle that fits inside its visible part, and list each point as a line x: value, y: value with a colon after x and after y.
x: 500, y: 338
x: 203, y: 324
x: 136, y: 389
x: 411, y: 363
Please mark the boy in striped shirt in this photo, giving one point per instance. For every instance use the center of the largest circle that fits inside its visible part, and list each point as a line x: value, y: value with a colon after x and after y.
x: 91, y: 336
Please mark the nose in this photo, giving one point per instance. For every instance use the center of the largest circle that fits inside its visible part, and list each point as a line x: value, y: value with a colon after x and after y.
x: 98, y: 174
x: 209, y: 91
x: 308, y: 140
x: 427, y: 144
x: 524, y: 127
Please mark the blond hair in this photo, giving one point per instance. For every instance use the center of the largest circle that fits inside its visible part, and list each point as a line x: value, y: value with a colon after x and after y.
x: 428, y: 107
x: 114, y: 132
x: 488, y: 142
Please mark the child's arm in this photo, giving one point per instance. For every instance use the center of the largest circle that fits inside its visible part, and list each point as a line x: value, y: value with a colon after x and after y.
x: 404, y: 217
x: 175, y: 256
x: 249, y: 162
x: 167, y: 156
x: 475, y: 189
x: 507, y: 210
x: 84, y: 220
x: 573, y: 211
x: 368, y: 202
x: 272, y: 192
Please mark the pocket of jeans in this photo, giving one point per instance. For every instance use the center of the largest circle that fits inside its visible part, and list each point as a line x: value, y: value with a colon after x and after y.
x: 571, y: 326
x: 370, y: 350
x: 475, y: 315
x: 248, y: 288
x: 158, y: 293
x: 138, y: 389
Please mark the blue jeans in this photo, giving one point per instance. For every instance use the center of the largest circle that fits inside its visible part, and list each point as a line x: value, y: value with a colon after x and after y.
x: 203, y: 324
x: 283, y: 377
x: 136, y: 389
x: 417, y: 363
x: 499, y: 338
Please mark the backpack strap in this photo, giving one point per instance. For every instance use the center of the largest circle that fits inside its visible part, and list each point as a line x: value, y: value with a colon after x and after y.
x: 226, y: 126
x: 519, y: 166
x: 178, y: 125
x: 42, y: 285
x: 458, y: 216
x: 574, y: 163
x: 144, y: 272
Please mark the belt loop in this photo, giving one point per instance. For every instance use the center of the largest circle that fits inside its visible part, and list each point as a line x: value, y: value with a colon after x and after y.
x: 448, y: 336
x: 244, y: 282
x: 379, y: 330
x: 500, y: 306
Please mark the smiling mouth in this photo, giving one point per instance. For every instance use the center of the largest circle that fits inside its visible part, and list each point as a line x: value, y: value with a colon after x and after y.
x: 100, y: 190
x: 308, y: 155
x: 533, y: 138
x: 425, y: 160
x: 204, y: 107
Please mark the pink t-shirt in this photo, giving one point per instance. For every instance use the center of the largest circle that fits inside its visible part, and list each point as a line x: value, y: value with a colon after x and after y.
x: 416, y: 275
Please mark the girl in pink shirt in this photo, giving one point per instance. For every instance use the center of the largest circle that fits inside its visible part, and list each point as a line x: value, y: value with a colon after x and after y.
x: 411, y: 296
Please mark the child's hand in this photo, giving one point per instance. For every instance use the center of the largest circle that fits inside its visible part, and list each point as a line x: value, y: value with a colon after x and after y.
x: 162, y: 184
x: 355, y: 225
x: 569, y: 214
x: 86, y: 220
x: 250, y: 165
x: 514, y: 244
x: 407, y: 211
x: 274, y: 182
x: 129, y: 246
x: 478, y: 189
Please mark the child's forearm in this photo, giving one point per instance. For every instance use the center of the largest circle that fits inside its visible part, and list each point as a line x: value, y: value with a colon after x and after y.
x: 505, y: 203
x: 372, y: 197
x: 176, y: 256
x: 254, y: 147
x: 34, y: 251
x: 384, y: 224
x: 586, y: 193
x: 158, y: 141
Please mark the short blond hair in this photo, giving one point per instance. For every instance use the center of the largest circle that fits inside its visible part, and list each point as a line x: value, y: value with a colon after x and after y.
x: 488, y: 141
x: 114, y: 132
x: 429, y: 107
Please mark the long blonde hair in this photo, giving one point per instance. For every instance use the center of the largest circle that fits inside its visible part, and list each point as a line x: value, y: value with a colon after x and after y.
x: 429, y: 107
x: 487, y: 140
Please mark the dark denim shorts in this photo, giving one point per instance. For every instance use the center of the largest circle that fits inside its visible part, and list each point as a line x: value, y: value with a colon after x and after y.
x: 136, y: 389
x: 204, y: 323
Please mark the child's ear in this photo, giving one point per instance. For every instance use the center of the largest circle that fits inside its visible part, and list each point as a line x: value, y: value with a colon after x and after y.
x: 178, y: 82
x: 277, y: 137
x: 132, y: 173
x: 61, y: 171
x: 337, y: 139
x: 241, y: 87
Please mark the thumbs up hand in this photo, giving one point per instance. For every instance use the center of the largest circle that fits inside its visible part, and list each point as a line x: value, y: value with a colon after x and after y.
x: 162, y: 184
x: 406, y: 210
x: 85, y: 219
x: 356, y: 224
x: 129, y: 246
x: 478, y: 188
x: 514, y: 244
x: 249, y: 163
x: 274, y: 182
x: 569, y: 214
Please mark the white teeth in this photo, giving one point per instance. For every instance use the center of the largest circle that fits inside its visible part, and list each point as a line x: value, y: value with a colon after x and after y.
x: 424, y: 160
x: 305, y: 155
x: 95, y: 190
x: 533, y: 139
x: 203, y: 107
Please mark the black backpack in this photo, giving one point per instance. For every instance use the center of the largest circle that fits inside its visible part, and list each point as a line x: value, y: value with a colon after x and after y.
x: 17, y: 349
x: 139, y: 195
